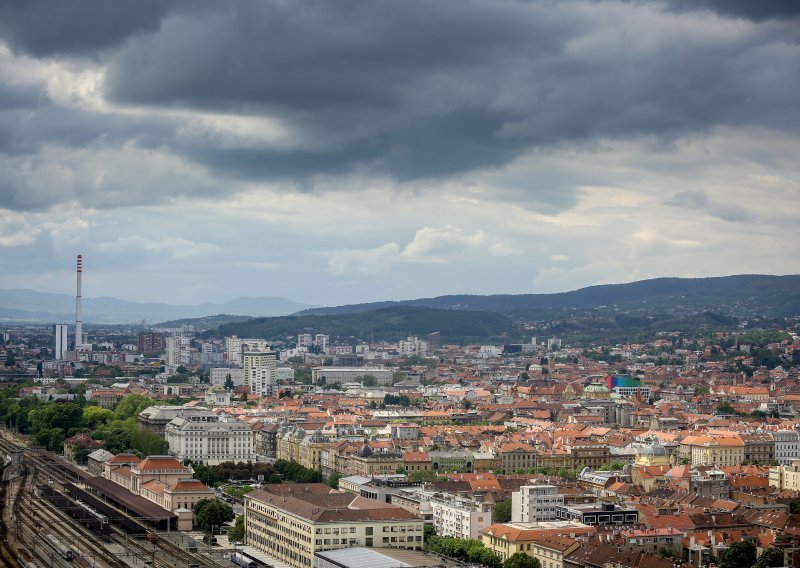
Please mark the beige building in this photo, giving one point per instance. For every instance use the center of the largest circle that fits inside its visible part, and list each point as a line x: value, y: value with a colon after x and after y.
x: 294, y: 521
x: 506, y: 539
x: 785, y: 476
x: 719, y: 451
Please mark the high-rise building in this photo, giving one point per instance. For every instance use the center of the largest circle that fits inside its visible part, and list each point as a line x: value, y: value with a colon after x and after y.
x: 259, y: 371
x: 61, y: 340
x: 233, y: 350
x: 304, y: 340
x: 321, y: 341
x: 150, y: 342
x: 434, y: 341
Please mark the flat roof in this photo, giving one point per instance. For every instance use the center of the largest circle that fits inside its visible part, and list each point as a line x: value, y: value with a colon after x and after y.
x: 362, y: 557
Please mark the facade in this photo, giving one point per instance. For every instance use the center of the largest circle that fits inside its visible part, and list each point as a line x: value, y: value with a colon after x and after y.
x: 294, y: 521
x: 155, y: 418
x: 210, y: 442
x: 785, y: 476
x: 506, y: 539
x: 220, y: 374
x: 61, y: 331
x: 150, y: 342
x: 451, y: 515
x: 601, y: 514
x: 535, y: 503
x: 787, y: 446
x: 713, y: 450
x: 758, y: 448
x: 259, y: 371
x: 550, y: 550
x: 348, y: 374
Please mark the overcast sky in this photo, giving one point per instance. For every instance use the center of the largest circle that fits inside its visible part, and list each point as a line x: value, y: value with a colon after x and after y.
x: 350, y: 151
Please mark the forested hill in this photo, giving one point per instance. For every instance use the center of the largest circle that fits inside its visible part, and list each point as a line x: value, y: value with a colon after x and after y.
x: 737, y: 296
x: 390, y: 324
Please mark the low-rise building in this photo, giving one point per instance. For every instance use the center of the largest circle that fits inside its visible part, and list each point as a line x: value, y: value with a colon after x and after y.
x: 210, y: 442
x: 292, y: 522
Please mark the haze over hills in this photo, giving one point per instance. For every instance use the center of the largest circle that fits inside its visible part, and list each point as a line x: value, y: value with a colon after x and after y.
x: 734, y: 296
x: 31, y: 306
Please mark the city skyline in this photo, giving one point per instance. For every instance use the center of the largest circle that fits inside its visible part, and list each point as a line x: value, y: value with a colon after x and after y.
x: 346, y: 153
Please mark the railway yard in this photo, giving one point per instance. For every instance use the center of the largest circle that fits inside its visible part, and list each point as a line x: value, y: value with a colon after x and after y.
x: 49, y: 519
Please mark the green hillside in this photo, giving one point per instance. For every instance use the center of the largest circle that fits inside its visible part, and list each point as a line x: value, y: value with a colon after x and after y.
x: 390, y: 324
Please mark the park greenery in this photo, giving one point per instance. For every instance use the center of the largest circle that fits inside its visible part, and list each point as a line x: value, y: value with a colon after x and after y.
x: 236, y: 533
x: 210, y: 513
x: 466, y: 550
x: 50, y: 422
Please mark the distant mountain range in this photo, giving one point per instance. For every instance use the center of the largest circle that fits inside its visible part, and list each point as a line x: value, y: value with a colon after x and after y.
x: 742, y: 297
x: 31, y: 306
x: 733, y: 296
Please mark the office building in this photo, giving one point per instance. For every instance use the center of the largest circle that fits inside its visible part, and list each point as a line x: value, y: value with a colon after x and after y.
x: 61, y: 331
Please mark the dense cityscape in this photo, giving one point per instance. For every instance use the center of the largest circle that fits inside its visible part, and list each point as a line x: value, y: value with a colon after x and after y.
x: 321, y: 450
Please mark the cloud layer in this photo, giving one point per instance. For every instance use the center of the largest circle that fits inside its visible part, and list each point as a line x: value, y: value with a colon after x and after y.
x: 395, y: 149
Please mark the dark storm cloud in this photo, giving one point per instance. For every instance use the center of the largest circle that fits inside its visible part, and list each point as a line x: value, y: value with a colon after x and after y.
x: 412, y: 89
x: 699, y: 201
x: 55, y: 27
x: 756, y: 10
x: 427, y: 89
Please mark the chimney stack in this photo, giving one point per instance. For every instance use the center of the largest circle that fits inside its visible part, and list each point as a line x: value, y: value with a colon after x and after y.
x: 78, y: 311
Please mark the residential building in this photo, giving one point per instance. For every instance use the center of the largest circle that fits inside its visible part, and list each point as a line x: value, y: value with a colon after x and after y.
x: 787, y: 446
x: 259, y: 371
x: 595, y: 514
x: 150, y: 342
x: 535, y: 503
x: 292, y: 522
x: 155, y: 418
x: 506, y: 539
x: 451, y: 515
x: 785, y: 476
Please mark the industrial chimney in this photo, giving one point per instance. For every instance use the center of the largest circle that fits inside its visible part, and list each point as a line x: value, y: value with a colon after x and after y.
x: 78, y: 315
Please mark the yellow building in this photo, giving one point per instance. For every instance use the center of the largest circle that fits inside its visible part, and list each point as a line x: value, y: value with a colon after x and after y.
x: 648, y: 455
x: 719, y: 451
x: 294, y: 521
x: 786, y: 476
x: 506, y: 539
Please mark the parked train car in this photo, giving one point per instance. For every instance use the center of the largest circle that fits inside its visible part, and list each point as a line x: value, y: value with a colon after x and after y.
x: 64, y: 551
x: 241, y: 560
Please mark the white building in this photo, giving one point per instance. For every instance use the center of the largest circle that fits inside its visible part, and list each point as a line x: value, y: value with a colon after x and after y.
x: 210, y: 442
x: 321, y: 341
x: 553, y: 343
x: 259, y: 371
x: 413, y: 346
x: 178, y: 351
x: 62, y: 340
x: 348, y: 374
x: 452, y: 515
x: 787, y: 446
x: 535, y: 504
x: 233, y: 350
x: 220, y: 374
x: 305, y: 340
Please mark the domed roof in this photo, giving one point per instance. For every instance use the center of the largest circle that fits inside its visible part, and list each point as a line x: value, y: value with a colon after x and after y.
x: 317, y: 437
x: 365, y: 451
x: 595, y: 387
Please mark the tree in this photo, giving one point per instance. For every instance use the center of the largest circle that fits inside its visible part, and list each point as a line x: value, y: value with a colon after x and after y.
x: 740, y: 554
x: 94, y: 416
x: 228, y: 382
x: 794, y: 506
x: 333, y: 480
x: 236, y: 534
x: 725, y: 407
x: 770, y: 558
x: 428, y: 530
x: 502, y: 511
x: 522, y: 560
x: 210, y: 513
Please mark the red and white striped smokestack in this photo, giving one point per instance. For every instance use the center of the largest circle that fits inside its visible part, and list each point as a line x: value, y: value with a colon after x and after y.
x: 78, y: 314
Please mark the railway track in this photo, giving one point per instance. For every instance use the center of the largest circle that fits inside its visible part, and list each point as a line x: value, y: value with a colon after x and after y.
x: 162, y: 553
